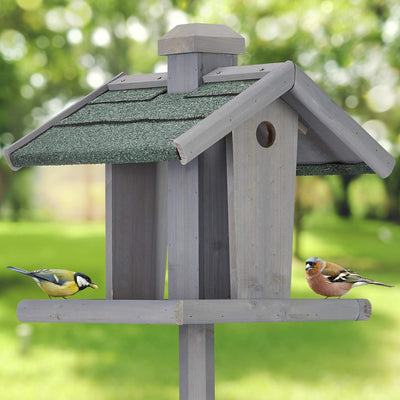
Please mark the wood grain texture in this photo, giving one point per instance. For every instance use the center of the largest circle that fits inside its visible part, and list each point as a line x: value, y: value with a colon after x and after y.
x: 136, y: 230
x: 274, y: 310
x: 139, y: 81
x: 183, y: 231
x: 100, y: 311
x: 196, y: 362
x: 201, y: 38
x: 261, y: 205
x: 185, y: 71
x: 193, y: 312
x: 220, y: 123
x: 242, y: 72
x: 214, y: 278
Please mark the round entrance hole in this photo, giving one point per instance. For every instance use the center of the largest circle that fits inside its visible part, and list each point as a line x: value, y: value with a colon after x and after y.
x: 265, y: 134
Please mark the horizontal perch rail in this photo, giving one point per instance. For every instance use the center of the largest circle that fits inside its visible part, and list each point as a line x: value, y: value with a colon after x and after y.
x: 182, y: 312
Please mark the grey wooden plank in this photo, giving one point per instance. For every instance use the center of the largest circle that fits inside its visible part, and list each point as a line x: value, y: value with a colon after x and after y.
x: 100, y: 311
x: 185, y: 71
x: 201, y: 313
x: 275, y: 310
x: 242, y: 72
x: 261, y: 202
x: 201, y: 38
x: 139, y: 81
x: 208, y: 131
x: 63, y: 114
x: 321, y: 113
x: 136, y: 221
x: 196, y: 362
x: 214, y: 279
x: 183, y: 231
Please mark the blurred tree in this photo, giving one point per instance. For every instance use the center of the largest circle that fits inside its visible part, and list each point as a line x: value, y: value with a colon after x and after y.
x: 53, y: 51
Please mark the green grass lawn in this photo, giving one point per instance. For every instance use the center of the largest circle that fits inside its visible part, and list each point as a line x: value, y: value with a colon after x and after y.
x: 325, y: 360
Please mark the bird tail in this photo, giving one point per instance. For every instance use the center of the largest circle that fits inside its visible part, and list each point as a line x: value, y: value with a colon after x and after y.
x: 365, y: 281
x: 21, y: 271
x: 379, y: 284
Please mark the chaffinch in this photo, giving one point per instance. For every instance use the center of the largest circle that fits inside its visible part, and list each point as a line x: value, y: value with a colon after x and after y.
x: 58, y: 282
x: 332, y: 280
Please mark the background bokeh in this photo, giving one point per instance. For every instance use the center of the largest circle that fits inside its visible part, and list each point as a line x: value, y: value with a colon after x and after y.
x: 52, y: 52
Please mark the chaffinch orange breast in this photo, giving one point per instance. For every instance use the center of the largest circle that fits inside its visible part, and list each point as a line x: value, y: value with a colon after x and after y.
x: 332, y: 280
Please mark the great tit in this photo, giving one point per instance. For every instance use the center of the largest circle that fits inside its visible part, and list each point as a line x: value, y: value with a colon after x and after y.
x: 58, y: 282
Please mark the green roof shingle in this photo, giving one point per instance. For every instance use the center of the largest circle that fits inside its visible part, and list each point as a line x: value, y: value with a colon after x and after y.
x: 126, y: 126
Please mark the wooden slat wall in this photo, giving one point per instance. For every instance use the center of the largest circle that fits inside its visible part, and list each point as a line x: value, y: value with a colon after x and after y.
x: 214, y: 281
x: 261, y: 205
x: 136, y: 230
x: 183, y: 231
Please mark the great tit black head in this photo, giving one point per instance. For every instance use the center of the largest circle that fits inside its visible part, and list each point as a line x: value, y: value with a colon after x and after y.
x: 83, y: 281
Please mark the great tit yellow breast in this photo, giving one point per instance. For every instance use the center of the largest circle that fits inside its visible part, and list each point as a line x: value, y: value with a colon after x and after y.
x: 53, y: 290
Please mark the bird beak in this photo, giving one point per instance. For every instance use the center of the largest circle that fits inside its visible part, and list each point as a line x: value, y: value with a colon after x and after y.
x: 93, y: 286
x: 308, y: 267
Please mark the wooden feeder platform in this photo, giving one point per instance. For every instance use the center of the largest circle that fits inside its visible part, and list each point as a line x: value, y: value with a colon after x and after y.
x: 187, y: 312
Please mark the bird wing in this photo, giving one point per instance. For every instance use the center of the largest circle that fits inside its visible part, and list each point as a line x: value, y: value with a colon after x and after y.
x: 336, y: 273
x: 345, y: 275
x: 47, y: 275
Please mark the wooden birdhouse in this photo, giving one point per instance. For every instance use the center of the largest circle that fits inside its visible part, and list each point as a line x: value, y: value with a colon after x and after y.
x: 202, y: 161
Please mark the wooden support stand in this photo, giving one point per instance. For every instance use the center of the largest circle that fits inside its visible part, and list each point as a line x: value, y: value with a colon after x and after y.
x: 198, y: 241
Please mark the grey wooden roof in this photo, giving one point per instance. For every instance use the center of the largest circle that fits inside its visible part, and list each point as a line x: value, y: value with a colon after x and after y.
x: 133, y: 119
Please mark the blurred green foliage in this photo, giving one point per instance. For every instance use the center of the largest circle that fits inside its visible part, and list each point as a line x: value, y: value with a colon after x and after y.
x: 54, y: 51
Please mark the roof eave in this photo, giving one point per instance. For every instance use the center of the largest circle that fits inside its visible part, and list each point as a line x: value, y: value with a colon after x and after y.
x: 60, y: 116
x: 312, y: 104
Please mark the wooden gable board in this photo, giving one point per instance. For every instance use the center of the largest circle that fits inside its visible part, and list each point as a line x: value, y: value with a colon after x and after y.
x: 139, y: 81
x: 333, y: 135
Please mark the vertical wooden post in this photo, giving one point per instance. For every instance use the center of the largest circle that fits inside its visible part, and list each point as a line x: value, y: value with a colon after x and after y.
x: 136, y: 230
x: 197, y: 205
